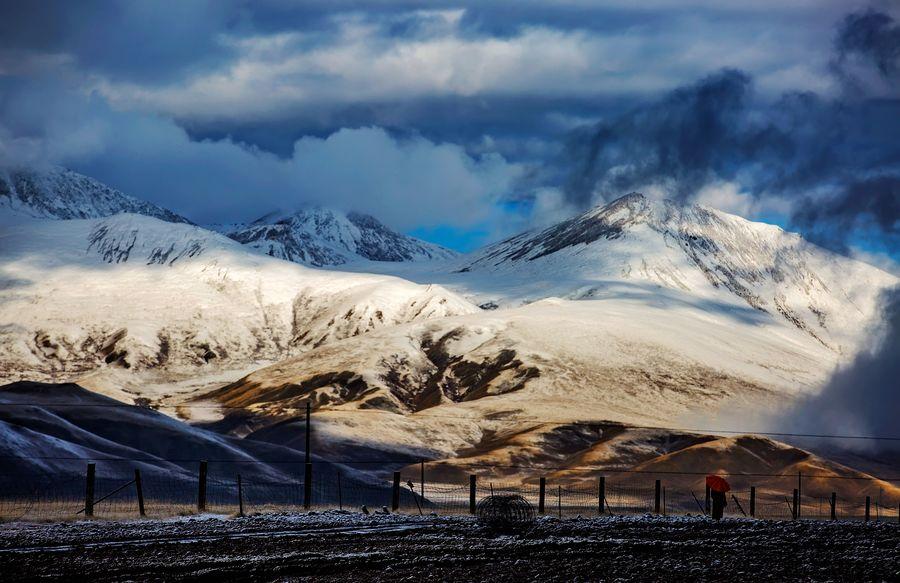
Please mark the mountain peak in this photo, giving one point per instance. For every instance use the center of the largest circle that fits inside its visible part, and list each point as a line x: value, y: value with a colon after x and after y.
x: 59, y: 193
x: 691, y: 248
x: 321, y: 236
x: 630, y: 198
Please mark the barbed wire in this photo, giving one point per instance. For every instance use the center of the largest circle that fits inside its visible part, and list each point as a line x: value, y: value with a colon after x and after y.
x: 454, y: 463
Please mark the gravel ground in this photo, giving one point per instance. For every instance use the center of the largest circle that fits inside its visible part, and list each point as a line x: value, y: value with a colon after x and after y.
x: 350, y: 546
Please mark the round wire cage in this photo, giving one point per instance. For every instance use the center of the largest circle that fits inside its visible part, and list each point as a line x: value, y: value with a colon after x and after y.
x: 505, y: 511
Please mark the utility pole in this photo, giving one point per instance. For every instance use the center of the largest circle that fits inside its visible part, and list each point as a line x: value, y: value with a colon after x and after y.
x: 307, y: 475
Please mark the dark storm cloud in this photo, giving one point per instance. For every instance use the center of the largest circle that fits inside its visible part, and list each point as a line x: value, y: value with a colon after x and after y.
x: 716, y: 130
x: 521, y: 127
x: 874, y: 36
x: 133, y: 40
x: 871, y: 204
x: 835, y: 161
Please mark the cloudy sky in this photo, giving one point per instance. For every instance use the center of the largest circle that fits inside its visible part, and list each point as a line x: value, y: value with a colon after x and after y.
x: 464, y: 121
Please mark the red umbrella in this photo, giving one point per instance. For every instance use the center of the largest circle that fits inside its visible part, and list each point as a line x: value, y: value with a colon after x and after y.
x: 717, y: 484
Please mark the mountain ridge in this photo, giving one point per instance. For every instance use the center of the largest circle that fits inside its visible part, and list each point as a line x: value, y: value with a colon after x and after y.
x: 692, y: 248
x: 320, y: 237
x: 132, y: 291
x: 60, y: 193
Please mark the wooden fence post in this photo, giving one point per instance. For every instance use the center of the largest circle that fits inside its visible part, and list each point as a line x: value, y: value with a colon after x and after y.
x: 395, y: 492
x: 307, y: 458
x: 201, y: 488
x: 307, y: 485
x: 240, y: 496
x: 752, y: 501
x: 657, y: 491
x: 89, y: 490
x: 868, y: 503
x: 559, y: 500
x: 472, y: 494
x: 340, y: 493
x: 834, y: 506
x: 139, y: 486
x: 795, y: 509
x: 542, y: 494
x: 601, y: 495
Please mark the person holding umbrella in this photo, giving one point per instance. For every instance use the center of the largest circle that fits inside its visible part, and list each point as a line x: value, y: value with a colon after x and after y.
x: 718, y: 486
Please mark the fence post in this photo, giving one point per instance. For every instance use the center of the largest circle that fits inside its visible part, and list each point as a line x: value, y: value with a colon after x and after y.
x: 201, y: 488
x: 834, y: 506
x: 395, y: 492
x: 559, y: 500
x: 799, y: 493
x: 340, y: 493
x: 422, y: 479
x: 868, y: 502
x: 472, y: 494
x: 657, y: 491
x: 89, y: 490
x: 139, y: 486
x: 307, y: 468
x: 795, y: 512
x: 240, y: 496
x: 752, y: 501
x: 601, y: 495
x: 707, y: 503
x: 542, y: 494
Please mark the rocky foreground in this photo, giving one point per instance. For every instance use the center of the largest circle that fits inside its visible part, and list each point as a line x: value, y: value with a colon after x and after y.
x: 350, y: 546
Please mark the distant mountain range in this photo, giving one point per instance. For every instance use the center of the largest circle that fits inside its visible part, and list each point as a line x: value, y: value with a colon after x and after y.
x: 639, y: 311
x: 313, y: 236
x: 320, y: 237
x: 57, y: 193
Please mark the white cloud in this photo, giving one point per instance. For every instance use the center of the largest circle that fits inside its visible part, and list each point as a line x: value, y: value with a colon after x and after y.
x: 361, y: 63
x: 728, y: 197
x: 410, y: 182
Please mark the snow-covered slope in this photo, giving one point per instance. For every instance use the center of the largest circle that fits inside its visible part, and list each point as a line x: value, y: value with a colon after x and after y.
x: 437, y: 388
x: 661, y: 312
x: 137, y: 292
x: 709, y: 255
x: 57, y: 193
x: 320, y: 237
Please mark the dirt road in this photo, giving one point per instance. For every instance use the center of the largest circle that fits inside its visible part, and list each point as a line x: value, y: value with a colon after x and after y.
x: 350, y: 546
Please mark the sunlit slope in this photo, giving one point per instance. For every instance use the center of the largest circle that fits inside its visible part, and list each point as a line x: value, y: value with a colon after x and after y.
x: 440, y: 386
x: 135, y: 292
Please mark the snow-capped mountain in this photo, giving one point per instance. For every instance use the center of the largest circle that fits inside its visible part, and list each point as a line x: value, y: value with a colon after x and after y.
x: 636, y: 241
x: 135, y: 292
x: 640, y: 311
x: 58, y: 193
x: 321, y: 237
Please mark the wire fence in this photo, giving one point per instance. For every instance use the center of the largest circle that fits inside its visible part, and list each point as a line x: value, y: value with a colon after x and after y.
x: 159, y: 495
